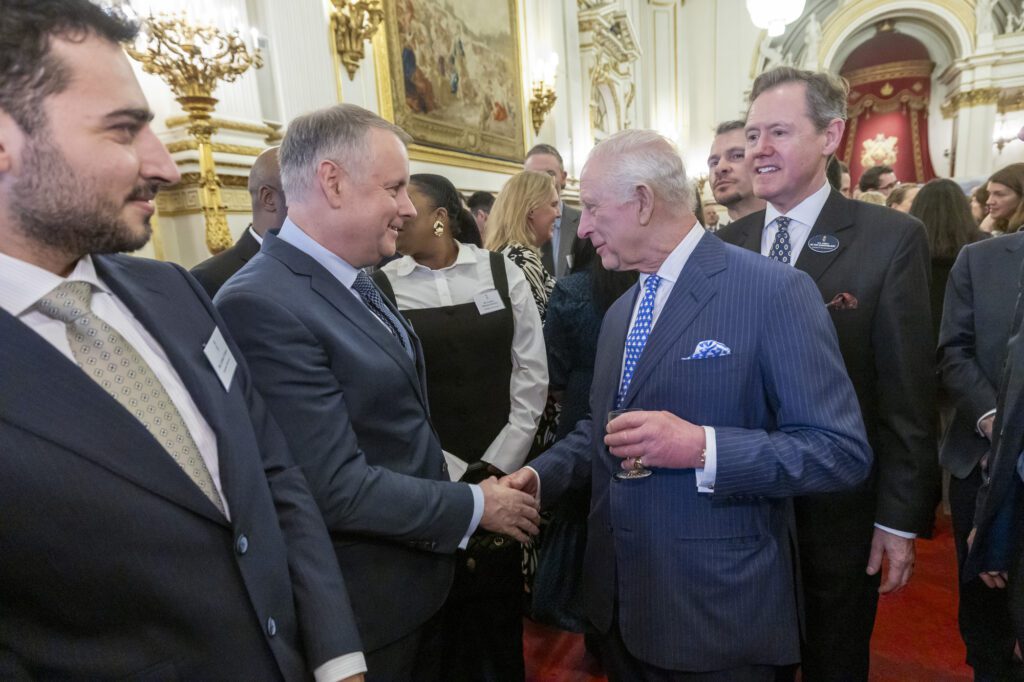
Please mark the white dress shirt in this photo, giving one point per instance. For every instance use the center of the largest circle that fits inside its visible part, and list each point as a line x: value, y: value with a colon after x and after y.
x: 669, y: 272
x: 418, y: 287
x: 23, y: 284
x: 346, y: 273
x: 802, y: 218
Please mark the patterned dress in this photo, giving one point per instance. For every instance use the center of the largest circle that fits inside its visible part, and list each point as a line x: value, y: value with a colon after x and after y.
x: 540, y: 280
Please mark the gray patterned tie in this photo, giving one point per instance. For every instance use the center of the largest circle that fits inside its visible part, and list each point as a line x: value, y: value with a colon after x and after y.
x: 112, y: 362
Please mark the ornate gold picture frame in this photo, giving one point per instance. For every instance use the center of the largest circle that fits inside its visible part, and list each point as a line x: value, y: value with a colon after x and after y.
x: 449, y: 74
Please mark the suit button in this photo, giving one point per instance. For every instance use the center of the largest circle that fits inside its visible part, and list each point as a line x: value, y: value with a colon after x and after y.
x: 471, y: 564
x: 444, y: 467
x: 271, y: 627
x: 242, y: 544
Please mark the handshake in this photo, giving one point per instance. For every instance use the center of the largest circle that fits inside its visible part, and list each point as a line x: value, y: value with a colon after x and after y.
x: 511, y: 505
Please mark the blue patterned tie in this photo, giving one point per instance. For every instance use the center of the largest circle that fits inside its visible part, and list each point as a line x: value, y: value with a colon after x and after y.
x: 368, y: 291
x: 780, y: 247
x: 637, y: 338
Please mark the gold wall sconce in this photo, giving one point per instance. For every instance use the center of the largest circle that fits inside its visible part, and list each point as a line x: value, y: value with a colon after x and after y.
x: 192, y: 58
x: 353, y: 22
x: 542, y: 90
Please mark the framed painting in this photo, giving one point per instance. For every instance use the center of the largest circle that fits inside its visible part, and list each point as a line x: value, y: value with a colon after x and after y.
x: 449, y: 74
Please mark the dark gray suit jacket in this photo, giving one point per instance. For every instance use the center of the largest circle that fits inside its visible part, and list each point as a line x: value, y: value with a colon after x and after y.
x: 214, y: 271
x: 883, y: 261
x: 972, y: 342
x: 705, y: 582
x: 567, y: 228
x: 353, y: 408
x: 113, y: 564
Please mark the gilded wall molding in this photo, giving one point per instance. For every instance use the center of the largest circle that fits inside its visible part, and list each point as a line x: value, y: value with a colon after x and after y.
x: 914, y: 68
x: 191, y: 145
x: 970, y: 98
x: 184, y: 198
x: 271, y: 132
x: 882, y: 105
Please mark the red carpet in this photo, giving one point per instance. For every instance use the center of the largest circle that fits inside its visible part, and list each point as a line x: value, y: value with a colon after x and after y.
x: 915, y: 638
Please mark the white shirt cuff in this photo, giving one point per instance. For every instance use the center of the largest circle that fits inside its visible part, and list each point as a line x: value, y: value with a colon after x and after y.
x: 706, y: 476
x: 898, y: 533
x: 537, y: 476
x: 977, y: 426
x: 478, y: 513
x: 341, y: 667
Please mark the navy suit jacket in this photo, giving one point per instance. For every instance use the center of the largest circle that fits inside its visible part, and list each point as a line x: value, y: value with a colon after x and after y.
x: 705, y: 582
x: 997, y: 517
x: 354, y: 410
x: 114, y: 564
x: 972, y: 342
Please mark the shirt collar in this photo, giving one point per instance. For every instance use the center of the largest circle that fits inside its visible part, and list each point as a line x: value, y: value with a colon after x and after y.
x: 337, y: 266
x: 259, y: 239
x: 676, y: 260
x: 23, y: 284
x: 405, y: 265
x: 806, y: 212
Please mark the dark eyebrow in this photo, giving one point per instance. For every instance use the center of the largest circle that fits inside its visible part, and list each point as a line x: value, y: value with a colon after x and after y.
x: 140, y: 116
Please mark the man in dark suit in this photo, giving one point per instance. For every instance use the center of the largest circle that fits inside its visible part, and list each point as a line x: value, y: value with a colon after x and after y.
x: 731, y: 183
x: 871, y: 266
x: 269, y: 210
x: 742, y: 402
x: 154, y: 526
x: 343, y: 374
x: 996, y: 551
x: 972, y: 349
x: 555, y: 254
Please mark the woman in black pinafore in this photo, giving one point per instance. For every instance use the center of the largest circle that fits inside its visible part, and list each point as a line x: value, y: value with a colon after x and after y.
x: 487, y: 381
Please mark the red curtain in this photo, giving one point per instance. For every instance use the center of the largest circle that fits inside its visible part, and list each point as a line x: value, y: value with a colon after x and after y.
x: 888, y: 120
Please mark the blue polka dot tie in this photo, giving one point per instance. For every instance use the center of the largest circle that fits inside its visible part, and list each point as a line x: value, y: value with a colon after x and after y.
x: 780, y: 250
x: 368, y: 291
x: 637, y: 338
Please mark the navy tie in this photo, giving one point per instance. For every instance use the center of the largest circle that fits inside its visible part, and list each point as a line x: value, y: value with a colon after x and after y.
x: 637, y: 338
x: 780, y: 250
x: 366, y: 289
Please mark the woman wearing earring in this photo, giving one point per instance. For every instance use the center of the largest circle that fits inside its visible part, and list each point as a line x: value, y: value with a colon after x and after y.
x: 474, y: 313
x: 521, y: 221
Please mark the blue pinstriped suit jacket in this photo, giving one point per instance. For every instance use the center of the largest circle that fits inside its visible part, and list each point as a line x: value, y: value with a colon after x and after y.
x: 705, y: 582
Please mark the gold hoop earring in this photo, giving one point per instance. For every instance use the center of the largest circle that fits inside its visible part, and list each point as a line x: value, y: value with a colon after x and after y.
x: 438, y: 228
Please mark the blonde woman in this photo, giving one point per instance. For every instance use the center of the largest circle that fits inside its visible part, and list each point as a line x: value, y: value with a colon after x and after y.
x: 521, y: 221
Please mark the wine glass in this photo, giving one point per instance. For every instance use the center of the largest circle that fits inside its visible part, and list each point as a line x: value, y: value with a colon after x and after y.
x: 638, y: 471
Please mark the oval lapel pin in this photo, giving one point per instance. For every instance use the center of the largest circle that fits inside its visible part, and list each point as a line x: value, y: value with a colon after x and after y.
x: 823, y: 243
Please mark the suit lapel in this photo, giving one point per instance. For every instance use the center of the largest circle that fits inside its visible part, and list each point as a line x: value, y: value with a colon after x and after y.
x: 690, y: 294
x: 50, y: 396
x: 247, y: 246
x: 344, y: 301
x: 750, y: 232
x: 836, y: 218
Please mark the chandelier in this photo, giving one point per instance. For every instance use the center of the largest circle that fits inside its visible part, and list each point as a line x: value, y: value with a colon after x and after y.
x: 773, y: 15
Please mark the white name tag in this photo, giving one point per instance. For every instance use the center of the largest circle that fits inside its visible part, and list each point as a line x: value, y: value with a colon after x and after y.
x: 220, y: 357
x: 489, y: 302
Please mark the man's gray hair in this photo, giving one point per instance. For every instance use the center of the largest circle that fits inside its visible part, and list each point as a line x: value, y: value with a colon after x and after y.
x: 645, y: 157
x: 338, y: 133
x: 826, y: 92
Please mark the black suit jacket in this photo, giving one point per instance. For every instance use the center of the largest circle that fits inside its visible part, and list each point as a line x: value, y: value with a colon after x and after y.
x: 1003, y: 488
x: 353, y: 407
x: 214, y: 271
x: 883, y: 261
x: 975, y: 327
x: 114, y: 564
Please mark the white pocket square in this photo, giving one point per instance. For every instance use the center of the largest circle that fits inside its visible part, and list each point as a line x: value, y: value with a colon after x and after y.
x: 709, y: 349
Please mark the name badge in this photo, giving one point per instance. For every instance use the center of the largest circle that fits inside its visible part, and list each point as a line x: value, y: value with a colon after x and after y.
x: 223, y: 362
x: 823, y: 243
x: 488, y: 302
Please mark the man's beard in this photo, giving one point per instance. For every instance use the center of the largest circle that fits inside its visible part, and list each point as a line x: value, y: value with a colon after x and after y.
x: 54, y: 206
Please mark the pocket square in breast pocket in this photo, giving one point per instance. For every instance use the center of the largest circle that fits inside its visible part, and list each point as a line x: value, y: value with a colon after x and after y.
x: 709, y: 349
